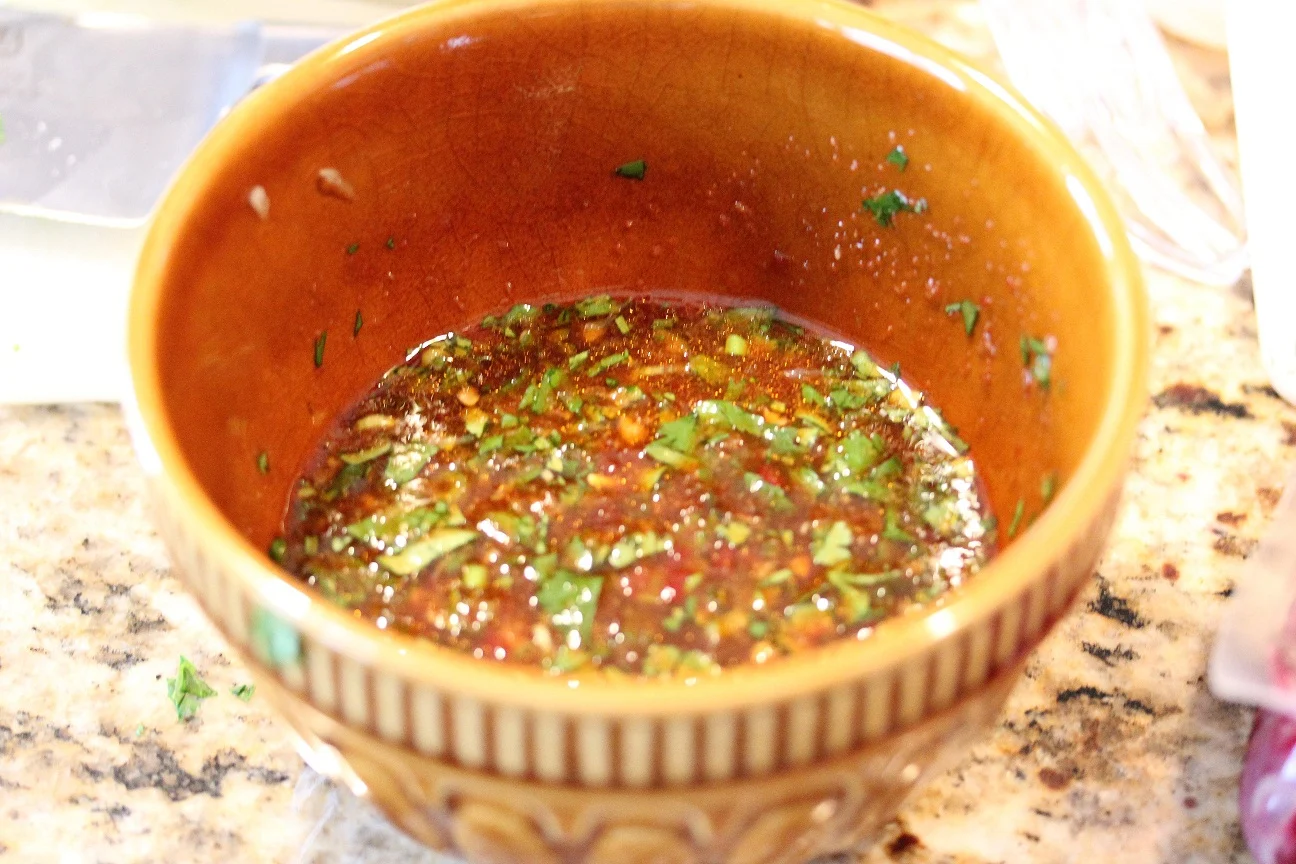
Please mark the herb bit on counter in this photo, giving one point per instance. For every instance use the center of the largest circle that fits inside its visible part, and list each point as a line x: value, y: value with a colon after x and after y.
x: 353, y: 248
x: 1038, y: 358
x: 633, y: 170
x: 884, y: 206
x: 187, y: 690
x: 898, y: 157
x: 243, y: 691
x: 319, y: 348
x: 263, y: 462
x: 359, y: 322
x: 391, y: 242
x: 970, y: 312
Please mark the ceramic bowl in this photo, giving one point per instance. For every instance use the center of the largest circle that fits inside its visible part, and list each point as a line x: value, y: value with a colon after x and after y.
x: 459, y: 158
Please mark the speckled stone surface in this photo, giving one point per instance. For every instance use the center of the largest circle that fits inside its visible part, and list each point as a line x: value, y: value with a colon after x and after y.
x: 1110, y: 750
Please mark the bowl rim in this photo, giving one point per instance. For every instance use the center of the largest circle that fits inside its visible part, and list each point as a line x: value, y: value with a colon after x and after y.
x: 1078, y: 504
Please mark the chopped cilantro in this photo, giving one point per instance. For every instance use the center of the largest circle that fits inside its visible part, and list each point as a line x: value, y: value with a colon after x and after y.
x: 778, y: 577
x: 576, y: 360
x: 359, y: 322
x: 473, y: 576
x: 726, y: 414
x: 319, y: 348
x: 970, y: 312
x: 417, y: 555
x: 633, y: 170
x: 489, y: 445
x: 244, y: 691
x: 475, y: 422
x: 633, y: 547
x: 187, y: 690
x: 353, y: 248
x: 860, y: 452
x: 407, y: 462
x: 810, y: 394
x: 391, y: 242
x: 571, y: 600
x: 898, y: 157
x: 263, y: 462
x: 1036, y: 355
x: 735, y: 532
x: 833, y: 545
x: 679, y: 434
x: 369, y: 454
x: 593, y: 307
x: 892, y: 530
x: 886, y: 205
x: 607, y: 363
x: 669, y: 456
x: 708, y: 369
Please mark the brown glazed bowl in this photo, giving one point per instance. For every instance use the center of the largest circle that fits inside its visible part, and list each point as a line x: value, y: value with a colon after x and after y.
x: 481, y: 138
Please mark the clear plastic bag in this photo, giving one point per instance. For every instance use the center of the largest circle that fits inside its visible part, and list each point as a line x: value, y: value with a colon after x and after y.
x: 1254, y: 662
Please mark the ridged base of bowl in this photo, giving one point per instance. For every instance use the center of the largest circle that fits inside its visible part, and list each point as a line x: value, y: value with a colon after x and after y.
x: 791, y: 818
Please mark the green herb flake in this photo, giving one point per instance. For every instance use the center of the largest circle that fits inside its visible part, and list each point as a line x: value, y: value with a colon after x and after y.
x: 187, y: 690
x: 1018, y: 513
x: 1038, y: 358
x: 243, y: 691
x: 735, y: 533
x: 709, y: 369
x: 391, y: 242
x: 593, y: 307
x: 633, y: 170
x: 320, y: 340
x: 622, y: 324
x: 813, y: 396
x: 571, y: 601
x: 726, y: 414
x: 1048, y: 486
x: 886, y: 205
x: 735, y: 345
x: 693, y: 581
x: 369, y: 454
x: 970, y: 312
x: 473, y: 576
x: 898, y: 157
x: 669, y: 456
x: 263, y: 462
x: 674, y: 621
x: 832, y: 546
x: 892, y: 530
x: 757, y: 629
x: 778, y: 577
x: 574, y: 361
x: 489, y: 445
x: 407, y: 462
x: 607, y: 363
x: 353, y: 248
x: 679, y: 434
x: 278, y: 549
x: 359, y: 322
x: 635, y: 547
x: 419, y: 554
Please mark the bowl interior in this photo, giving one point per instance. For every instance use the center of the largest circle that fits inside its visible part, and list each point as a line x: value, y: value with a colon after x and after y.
x: 480, y: 141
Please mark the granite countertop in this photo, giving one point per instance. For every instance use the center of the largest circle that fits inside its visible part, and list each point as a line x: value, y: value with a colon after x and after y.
x: 1110, y: 749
